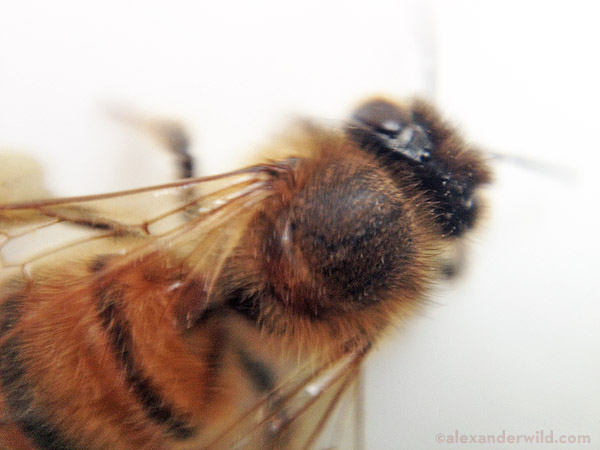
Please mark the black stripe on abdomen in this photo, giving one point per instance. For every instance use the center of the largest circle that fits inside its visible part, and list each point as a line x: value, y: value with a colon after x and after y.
x: 17, y: 388
x: 119, y: 333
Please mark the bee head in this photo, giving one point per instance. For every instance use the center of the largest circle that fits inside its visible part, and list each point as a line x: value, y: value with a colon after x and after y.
x: 414, y: 137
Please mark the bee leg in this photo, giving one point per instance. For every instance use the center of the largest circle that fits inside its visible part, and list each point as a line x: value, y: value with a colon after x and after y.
x: 173, y: 136
x: 453, y: 261
x: 170, y: 134
x: 260, y: 375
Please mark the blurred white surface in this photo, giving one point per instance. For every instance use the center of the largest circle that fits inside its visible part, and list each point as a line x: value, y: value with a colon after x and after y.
x: 511, y: 346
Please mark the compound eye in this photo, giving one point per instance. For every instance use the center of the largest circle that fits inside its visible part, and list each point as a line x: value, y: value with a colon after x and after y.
x: 392, y: 129
x: 382, y: 116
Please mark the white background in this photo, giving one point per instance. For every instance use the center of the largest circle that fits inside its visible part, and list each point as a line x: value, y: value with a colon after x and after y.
x: 513, y: 345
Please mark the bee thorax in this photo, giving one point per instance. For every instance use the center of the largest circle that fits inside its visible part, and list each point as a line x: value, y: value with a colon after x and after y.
x: 344, y: 240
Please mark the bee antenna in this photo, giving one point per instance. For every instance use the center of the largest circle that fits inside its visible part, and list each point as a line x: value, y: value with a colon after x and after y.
x: 564, y: 174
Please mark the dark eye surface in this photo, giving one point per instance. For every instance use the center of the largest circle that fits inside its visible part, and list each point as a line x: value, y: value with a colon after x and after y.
x: 395, y: 129
x: 382, y: 116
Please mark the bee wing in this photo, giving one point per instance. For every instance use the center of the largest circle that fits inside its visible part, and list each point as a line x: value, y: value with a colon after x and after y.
x: 194, y: 213
x: 345, y: 425
x: 314, y: 409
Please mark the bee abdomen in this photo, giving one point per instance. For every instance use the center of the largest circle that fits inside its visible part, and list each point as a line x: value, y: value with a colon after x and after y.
x: 155, y: 406
x: 18, y: 391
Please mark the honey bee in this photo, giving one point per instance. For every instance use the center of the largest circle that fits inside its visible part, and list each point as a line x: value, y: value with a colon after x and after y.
x: 231, y: 311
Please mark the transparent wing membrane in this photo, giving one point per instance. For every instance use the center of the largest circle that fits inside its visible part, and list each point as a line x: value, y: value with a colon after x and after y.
x: 315, y: 408
x: 129, y: 223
